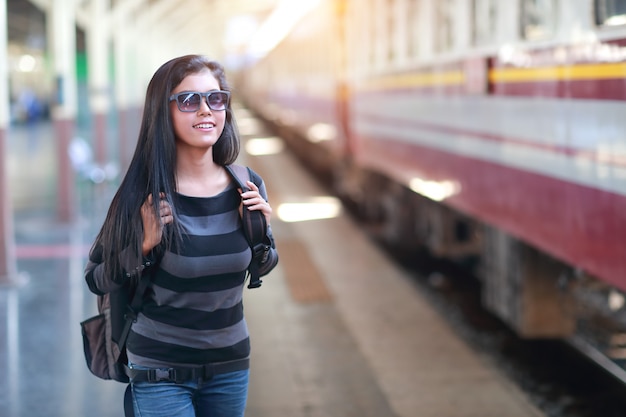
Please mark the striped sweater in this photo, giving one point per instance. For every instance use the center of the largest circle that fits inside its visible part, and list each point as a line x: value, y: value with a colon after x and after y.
x: 193, y: 313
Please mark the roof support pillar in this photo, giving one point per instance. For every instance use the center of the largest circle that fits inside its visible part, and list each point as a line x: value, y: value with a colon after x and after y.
x: 62, y: 38
x: 8, y: 268
x: 98, y: 72
x: 126, y: 89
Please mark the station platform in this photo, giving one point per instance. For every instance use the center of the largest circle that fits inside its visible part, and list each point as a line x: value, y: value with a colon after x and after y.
x: 337, y: 329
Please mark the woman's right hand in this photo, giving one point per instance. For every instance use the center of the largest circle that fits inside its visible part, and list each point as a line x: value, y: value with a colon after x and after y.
x: 153, y: 226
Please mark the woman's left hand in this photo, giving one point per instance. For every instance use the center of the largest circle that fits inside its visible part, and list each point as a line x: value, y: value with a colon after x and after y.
x: 253, y: 200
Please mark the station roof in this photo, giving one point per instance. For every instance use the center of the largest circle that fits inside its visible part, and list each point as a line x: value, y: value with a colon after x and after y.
x: 210, y: 26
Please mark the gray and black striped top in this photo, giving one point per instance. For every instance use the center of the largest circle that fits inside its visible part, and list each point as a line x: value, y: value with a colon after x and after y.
x: 194, y: 314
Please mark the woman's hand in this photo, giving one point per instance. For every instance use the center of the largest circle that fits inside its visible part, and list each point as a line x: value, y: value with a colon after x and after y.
x: 253, y: 200
x: 153, y: 226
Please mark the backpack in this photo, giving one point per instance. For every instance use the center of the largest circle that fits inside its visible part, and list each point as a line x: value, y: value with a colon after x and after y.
x: 104, y: 335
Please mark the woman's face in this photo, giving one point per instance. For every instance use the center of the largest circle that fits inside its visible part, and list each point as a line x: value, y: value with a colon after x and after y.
x: 201, y: 128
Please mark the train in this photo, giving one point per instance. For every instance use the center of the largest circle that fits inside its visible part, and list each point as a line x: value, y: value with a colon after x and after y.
x: 474, y: 129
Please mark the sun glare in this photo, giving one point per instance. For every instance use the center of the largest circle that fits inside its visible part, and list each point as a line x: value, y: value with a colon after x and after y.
x: 315, y: 208
x: 264, y: 146
x: 435, y: 190
x: 278, y: 24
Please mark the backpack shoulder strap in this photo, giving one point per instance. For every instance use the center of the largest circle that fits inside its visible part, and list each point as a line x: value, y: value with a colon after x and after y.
x: 240, y: 174
x: 254, y: 226
x: 132, y: 309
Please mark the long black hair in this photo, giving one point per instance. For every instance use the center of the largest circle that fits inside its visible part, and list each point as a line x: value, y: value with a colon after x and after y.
x: 152, y: 169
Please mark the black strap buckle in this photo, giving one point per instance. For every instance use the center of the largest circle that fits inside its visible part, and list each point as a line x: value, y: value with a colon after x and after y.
x: 130, y: 314
x: 261, y: 250
x: 156, y: 375
x: 260, y: 253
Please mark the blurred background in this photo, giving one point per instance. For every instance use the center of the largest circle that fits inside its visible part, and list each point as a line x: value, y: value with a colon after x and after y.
x: 486, y: 135
x: 83, y: 66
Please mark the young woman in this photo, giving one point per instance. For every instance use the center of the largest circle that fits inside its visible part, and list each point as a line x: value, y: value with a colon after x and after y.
x: 176, y: 216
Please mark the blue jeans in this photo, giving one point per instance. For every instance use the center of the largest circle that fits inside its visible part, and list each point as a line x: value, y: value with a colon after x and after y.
x: 224, y: 395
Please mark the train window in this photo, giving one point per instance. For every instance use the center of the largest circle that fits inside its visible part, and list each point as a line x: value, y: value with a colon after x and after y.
x: 390, y: 29
x: 483, y: 21
x: 444, y: 28
x: 360, y: 37
x: 359, y: 42
x: 538, y: 18
x: 369, y: 32
x: 610, y: 12
x: 412, y: 16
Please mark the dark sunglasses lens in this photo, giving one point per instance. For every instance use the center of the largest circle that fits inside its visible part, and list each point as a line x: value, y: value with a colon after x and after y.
x: 218, y: 101
x: 189, y: 102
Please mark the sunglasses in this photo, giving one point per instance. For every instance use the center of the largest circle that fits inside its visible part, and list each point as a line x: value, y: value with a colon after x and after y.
x: 190, y: 101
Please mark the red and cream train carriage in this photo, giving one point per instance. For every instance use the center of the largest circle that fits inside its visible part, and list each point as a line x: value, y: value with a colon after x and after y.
x: 487, y: 128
